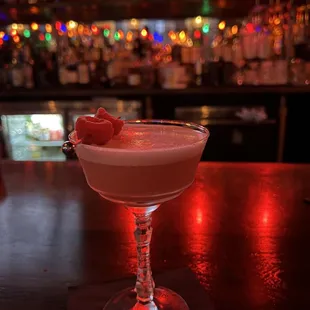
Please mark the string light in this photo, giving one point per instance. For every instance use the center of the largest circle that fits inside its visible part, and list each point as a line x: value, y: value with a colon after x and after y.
x: 106, y: 32
x: 63, y: 28
x: 121, y: 34
x: 129, y: 36
x: 16, y: 39
x: 14, y: 26
x: 48, y: 37
x: 5, y: 37
x: 182, y: 35
x: 13, y: 33
x: 41, y: 37
x: 116, y: 36
x: 94, y: 29
x: 143, y: 33
x: 222, y: 25
x: 34, y: 26
x: 134, y: 22
x: 198, y: 20
x: 234, y: 29
x: 71, y: 24
x: 1, y: 41
x: 250, y: 27
x: 197, y: 34
x: 1, y: 34
x: 27, y: 33
x: 80, y: 29
x: 58, y: 25
x: 48, y: 28
x: 205, y: 28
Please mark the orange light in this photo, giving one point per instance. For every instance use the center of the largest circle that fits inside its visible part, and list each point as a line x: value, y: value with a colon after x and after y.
x: 70, y: 33
x: 13, y: 33
x: 234, y: 29
x: 80, y: 29
x: 168, y: 48
x: 129, y: 36
x: 143, y: 32
x: 1, y: 34
x: 48, y: 28
x: 16, y: 39
x: 277, y: 21
x: 34, y: 26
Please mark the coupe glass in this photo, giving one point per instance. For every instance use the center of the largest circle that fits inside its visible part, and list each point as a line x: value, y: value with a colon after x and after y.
x: 153, y: 176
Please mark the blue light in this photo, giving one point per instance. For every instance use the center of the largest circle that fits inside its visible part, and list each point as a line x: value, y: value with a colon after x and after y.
x: 157, y: 37
x: 63, y: 28
x: 258, y: 29
x: 5, y: 37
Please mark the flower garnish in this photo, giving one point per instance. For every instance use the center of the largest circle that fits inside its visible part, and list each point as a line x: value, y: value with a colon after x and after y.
x: 116, y: 122
x: 98, y: 129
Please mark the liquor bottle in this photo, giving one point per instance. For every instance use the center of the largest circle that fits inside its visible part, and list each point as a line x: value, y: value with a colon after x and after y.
x: 3, y: 73
x: 134, y: 73
x: 28, y: 68
x: 83, y: 71
x: 17, y: 69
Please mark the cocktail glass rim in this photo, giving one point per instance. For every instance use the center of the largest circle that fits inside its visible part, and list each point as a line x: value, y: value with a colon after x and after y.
x: 73, y: 138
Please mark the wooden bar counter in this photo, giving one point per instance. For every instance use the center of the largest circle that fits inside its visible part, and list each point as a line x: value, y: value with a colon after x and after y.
x: 243, y: 229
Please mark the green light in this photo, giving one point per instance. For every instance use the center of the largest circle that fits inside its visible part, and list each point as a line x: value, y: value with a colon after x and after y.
x: 106, y: 32
x: 205, y: 28
x: 48, y: 37
x: 27, y: 33
x: 117, y: 36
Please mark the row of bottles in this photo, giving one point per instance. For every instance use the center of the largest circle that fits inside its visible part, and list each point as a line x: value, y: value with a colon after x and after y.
x: 28, y: 68
x: 248, y: 56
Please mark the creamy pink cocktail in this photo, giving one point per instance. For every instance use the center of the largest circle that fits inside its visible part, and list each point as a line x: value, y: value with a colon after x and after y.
x: 139, y: 164
x: 144, y: 164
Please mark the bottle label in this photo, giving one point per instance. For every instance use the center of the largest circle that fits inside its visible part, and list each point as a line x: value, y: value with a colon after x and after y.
x: 17, y: 77
x: 73, y: 77
x: 28, y: 73
x: 134, y: 79
x: 63, y: 76
x: 83, y: 74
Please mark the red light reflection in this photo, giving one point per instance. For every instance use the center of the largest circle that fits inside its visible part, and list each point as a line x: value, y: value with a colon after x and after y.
x: 199, y: 241
x: 267, y: 220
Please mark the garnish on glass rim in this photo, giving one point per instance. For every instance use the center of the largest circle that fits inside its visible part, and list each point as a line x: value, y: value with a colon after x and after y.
x: 98, y: 129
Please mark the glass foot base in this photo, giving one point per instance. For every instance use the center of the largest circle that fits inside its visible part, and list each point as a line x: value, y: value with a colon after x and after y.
x: 164, y: 299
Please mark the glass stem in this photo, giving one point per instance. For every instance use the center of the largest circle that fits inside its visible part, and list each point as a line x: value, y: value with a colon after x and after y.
x: 143, y: 234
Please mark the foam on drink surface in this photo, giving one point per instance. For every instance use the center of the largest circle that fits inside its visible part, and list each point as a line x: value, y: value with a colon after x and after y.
x: 146, y: 145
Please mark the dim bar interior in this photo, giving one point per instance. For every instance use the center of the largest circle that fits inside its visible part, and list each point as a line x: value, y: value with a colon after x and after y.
x: 142, y: 90
x: 241, y: 68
